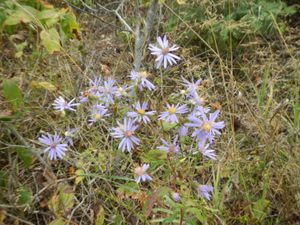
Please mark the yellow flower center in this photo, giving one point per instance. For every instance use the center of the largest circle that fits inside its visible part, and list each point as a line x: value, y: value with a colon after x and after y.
x: 172, y: 110
x: 165, y: 51
x: 206, y: 127
x: 98, y: 116
x: 143, y: 74
x: 128, y: 133
x: 141, y: 111
x: 139, y: 171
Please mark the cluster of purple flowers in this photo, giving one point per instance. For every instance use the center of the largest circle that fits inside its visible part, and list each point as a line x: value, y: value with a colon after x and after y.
x: 188, y: 114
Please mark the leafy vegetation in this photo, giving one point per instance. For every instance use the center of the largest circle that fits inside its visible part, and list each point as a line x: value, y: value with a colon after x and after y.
x: 53, y: 25
x: 226, y: 25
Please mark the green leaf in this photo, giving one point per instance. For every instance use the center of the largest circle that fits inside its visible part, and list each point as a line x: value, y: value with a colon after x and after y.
x: 49, y: 17
x: 62, y: 201
x: 69, y: 25
x: 168, y: 126
x: 79, y: 176
x: 66, y: 196
x: 13, y: 94
x: 3, y: 179
x: 51, y: 40
x: 49, y: 13
x: 24, y: 155
x: 260, y: 208
x: 58, y: 221
x: 24, y: 14
x: 24, y: 195
x: 100, y: 217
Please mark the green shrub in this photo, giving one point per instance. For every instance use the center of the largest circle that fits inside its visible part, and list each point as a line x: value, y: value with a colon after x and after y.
x: 230, y: 22
x: 53, y: 25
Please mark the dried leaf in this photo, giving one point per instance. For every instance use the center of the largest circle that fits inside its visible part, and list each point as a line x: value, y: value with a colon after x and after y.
x: 151, y: 200
x: 43, y: 85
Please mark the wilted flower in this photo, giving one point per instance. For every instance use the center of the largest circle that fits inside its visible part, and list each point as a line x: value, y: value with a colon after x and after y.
x: 61, y: 104
x: 98, y: 113
x: 204, y: 127
x: 126, y: 133
x: 108, y: 90
x: 204, y: 149
x: 141, y: 174
x: 141, y: 80
x: 163, y: 52
x: 205, y: 191
x: 141, y: 114
x: 69, y: 135
x: 191, y: 87
x: 171, y: 114
x: 55, y: 146
x: 176, y: 197
x: 170, y: 148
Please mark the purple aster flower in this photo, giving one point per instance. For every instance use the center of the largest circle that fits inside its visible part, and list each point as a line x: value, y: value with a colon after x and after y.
x: 164, y: 52
x: 197, y: 100
x: 108, y: 90
x: 98, y: 113
x: 191, y: 87
x: 122, y: 91
x: 170, y: 148
x: 55, y: 146
x: 69, y: 135
x: 170, y: 115
x: 176, y: 197
x: 205, y: 191
x: 198, y: 109
x: 183, y: 131
x: 141, y: 173
x: 141, y: 80
x: 84, y: 96
x: 61, y: 104
x: 94, y: 86
x: 208, y: 153
x: 126, y: 133
x: 206, y: 127
x: 141, y: 114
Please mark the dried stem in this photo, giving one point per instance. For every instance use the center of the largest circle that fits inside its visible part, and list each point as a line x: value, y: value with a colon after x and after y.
x: 141, y: 38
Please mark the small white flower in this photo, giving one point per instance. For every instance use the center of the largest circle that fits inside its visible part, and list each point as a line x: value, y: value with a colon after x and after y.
x: 163, y: 52
x: 141, y: 174
x: 61, y: 104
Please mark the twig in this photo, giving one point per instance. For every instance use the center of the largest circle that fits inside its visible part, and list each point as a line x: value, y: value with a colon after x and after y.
x: 181, y: 215
x: 116, y: 12
x: 19, y: 219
